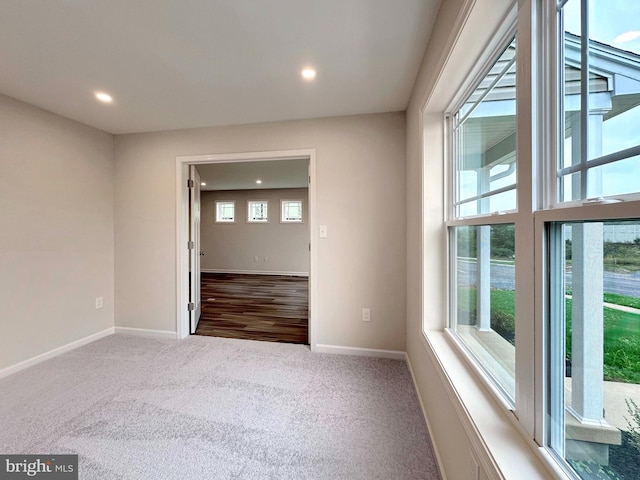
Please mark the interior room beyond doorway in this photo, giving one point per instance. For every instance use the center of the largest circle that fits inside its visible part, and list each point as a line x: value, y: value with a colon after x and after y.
x: 255, y: 250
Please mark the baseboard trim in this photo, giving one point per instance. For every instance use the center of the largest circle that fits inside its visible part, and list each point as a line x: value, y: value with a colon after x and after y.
x: 360, y: 352
x: 254, y: 272
x: 5, y: 372
x: 434, y: 447
x: 144, y: 332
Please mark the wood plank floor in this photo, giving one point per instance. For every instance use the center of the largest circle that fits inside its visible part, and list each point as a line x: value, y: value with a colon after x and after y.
x: 271, y: 308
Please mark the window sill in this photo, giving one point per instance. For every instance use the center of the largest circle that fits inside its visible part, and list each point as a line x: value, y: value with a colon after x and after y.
x: 502, y: 448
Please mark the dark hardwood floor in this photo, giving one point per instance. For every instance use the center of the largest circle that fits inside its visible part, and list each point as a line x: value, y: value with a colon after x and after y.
x: 271, y: 308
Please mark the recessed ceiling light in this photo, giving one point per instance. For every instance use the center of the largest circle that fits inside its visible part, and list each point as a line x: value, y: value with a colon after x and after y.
x: 104, y: 97
x: 627, y: 36
x: 258, y: 181
x: 204, y: 184
x: 308, y: 74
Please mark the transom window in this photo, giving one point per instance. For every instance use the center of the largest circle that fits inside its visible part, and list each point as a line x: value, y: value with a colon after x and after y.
x: 257, y: 211
x: 225, y: 211
x: 291, y: 211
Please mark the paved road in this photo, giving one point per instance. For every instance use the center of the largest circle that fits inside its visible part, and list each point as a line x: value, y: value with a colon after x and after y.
x: 503, y: 277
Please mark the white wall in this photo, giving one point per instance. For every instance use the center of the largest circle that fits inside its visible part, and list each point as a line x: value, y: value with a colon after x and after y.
x: 56, y: 231
x: 360, y: 194
x: 280, y: 247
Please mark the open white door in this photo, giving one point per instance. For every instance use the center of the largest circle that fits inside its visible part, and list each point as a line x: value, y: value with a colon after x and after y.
x: 194, y: 248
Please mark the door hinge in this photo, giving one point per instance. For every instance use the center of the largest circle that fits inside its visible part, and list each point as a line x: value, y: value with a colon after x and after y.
x: 191, y: 245
x: 309, y: 179
x: 309, y: 247
x: 191, y: 306
x: 190, y: 183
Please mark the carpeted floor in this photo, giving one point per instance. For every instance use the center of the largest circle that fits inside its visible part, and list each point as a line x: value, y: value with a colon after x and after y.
x: 216, y: 408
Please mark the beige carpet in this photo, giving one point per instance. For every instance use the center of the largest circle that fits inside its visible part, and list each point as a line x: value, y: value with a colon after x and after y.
x: 214, y: 408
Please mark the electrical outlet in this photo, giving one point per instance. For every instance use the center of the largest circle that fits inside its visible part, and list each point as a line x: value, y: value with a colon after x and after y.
x: 366, y: 314
x: 256, y: 259
x: 99, y: 302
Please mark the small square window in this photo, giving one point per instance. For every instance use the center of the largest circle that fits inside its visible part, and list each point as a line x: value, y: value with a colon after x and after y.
x: 225, y: 212
x: 257, y: 211
x: 291, y: 211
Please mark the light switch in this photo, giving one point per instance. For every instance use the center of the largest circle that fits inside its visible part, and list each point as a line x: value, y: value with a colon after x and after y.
x: 323, y: 231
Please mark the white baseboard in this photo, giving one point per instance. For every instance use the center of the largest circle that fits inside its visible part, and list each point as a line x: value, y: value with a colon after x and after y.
x: 360, y: 352
x: 144, y: 332
x: 54, y: 353
x: 254, y: 272
x: 434, y: 448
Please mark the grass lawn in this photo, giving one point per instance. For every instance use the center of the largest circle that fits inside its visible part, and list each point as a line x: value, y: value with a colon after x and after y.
x: 621, y: 344
x: 622, y: 300
x: 621, y: 330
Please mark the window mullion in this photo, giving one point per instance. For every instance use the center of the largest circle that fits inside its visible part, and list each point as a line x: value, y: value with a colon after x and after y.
x: 584, y: 97
x: 526, y: 108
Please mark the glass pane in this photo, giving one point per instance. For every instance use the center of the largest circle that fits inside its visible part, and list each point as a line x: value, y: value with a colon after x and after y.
x: 257, y: 211
x: 613, y: 97
x: 485, y: 139
x: 225, y: 211
x: 596, y: 301
x: 291, y: 211
x: 620, y: 129
x: 615, y: 178
x: 485, y: 298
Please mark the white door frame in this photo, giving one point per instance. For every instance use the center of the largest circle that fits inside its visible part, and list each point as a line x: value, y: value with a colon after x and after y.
x: 182, y: 227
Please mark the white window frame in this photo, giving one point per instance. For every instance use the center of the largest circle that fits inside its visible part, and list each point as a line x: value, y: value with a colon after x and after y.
x: 219, y: 204
x: 250, y: 218
x: 515, y: 217
x: 553, y: 211
x: 538, y: 106
x: 283, y: 206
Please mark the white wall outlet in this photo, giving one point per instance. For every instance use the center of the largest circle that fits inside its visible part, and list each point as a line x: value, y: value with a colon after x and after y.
x: 256, y: 259
x: 366, y: 314
x: 324, y: 232
x: 99, y: 302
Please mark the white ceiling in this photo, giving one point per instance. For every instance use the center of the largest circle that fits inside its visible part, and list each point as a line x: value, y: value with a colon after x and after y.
x: 243, y: 175
x: 172, y: 64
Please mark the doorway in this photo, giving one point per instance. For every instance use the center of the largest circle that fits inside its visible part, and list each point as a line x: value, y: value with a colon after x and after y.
x: 183, y: 164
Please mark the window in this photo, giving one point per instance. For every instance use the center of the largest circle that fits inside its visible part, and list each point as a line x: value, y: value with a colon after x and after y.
x: 595, y: 346
x: 485, y: 142
x: 593, y: 254
x: 482, y: 255
x: 485, y: 298
x: 600, y: 101
x: 225, y: 211
x: 257, y: 211
x: 291, y: 211
x: 543, y: 214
